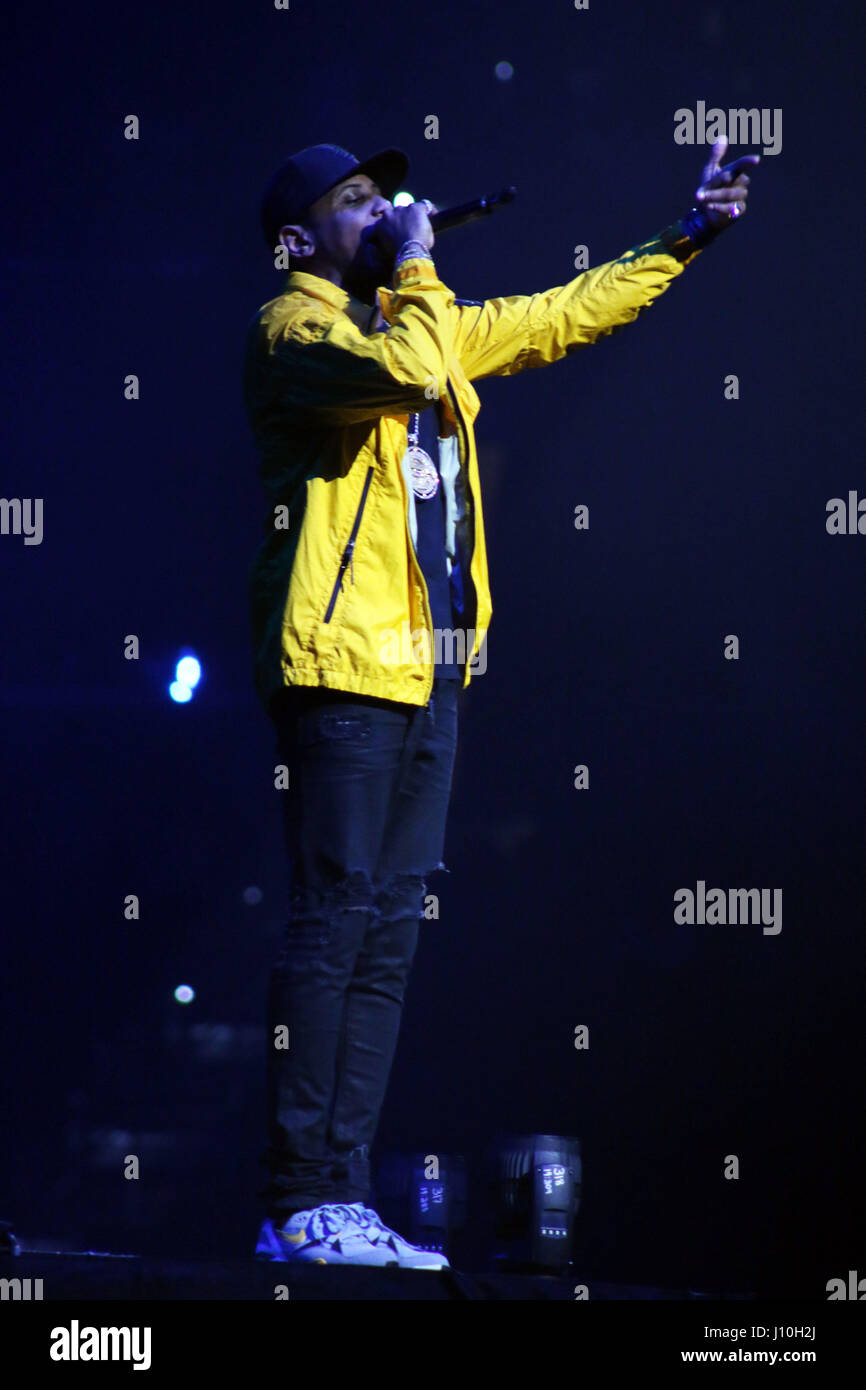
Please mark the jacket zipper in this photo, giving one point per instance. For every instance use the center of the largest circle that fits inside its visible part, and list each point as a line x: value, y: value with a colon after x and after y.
x: 349, y: 552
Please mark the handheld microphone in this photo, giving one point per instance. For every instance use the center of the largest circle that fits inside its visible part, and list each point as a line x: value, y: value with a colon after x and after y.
x: 468, y: 212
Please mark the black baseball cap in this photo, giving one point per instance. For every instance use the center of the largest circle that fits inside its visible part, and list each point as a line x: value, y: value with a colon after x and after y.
x: 310, y: 174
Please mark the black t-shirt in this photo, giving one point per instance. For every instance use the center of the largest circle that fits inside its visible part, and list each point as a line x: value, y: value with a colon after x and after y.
x: 446, y: 593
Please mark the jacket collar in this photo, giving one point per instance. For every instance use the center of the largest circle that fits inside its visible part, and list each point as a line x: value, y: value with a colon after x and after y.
x: 360, y: 313
x: 317, y: 287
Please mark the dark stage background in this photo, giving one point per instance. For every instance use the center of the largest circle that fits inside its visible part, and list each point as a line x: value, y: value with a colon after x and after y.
x: 707, y: 517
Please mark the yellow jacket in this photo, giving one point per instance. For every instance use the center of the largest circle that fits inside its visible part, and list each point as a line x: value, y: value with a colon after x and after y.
x: 329, y: 405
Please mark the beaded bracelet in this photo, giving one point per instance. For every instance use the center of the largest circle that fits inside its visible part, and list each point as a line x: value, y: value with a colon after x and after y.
x: 406, y: 255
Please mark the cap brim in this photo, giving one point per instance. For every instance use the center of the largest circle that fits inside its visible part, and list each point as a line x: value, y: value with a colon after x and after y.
x: 388, y: 169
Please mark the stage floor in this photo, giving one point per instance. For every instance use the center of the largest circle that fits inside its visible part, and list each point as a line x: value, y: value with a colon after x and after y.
x: 68, y: 1276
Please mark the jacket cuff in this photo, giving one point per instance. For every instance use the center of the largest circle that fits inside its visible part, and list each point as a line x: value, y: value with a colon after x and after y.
x: 672, y: 241
x: 678, y: 241
x: 415, y: 270
x: 698, y: 228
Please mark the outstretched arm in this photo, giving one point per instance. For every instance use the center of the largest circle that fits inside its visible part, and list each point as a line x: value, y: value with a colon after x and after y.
x: 509, y: 335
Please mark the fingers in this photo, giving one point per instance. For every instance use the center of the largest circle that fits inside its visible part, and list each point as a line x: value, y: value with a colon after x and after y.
x: 748, y: 159
x: 723, y: 196
x: 732, y: 173
x: 711, y: 168
x: 725, y: 191
x: 719, y: 182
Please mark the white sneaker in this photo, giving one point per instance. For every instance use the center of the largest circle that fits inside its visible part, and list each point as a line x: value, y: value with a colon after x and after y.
x: 382, y: 1237
x: 326, y: 1235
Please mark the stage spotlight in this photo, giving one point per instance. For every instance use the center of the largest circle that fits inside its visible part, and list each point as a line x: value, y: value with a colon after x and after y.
x: 504, y: 71
x: 187, y: 674
x: 402, y: 199
x: 536, y: 1186
x: 184, y: 994
x: 188, y: 671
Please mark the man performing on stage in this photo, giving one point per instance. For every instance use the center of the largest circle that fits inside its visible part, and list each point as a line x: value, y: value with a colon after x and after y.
x: 370, y: 604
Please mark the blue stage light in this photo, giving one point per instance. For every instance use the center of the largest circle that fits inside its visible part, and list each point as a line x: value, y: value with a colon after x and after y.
x: 504, y: 71
x: 402, y: 199
x: 188, y: 671
x: 184, y: 995
x: 179, y: 692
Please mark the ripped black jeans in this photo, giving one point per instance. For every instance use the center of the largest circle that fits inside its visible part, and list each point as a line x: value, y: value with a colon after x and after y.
x: 365, y: 813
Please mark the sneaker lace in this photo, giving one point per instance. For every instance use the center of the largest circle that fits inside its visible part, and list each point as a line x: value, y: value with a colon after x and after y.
x: 333, y: 1216
x: 366, y: 1217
